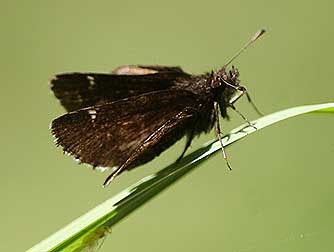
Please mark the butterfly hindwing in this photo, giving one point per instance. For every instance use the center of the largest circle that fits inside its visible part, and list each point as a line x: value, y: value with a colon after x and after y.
x: 80, y: 90
x: 146, y: 69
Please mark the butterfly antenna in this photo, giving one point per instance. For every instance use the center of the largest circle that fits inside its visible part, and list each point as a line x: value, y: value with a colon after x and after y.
x: 257, y: 35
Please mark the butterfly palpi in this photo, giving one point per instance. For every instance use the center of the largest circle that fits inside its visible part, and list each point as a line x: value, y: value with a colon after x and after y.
x: 125, y: 119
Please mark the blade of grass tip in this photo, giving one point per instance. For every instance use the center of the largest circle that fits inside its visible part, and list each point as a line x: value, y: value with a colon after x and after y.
x: 86, y: 230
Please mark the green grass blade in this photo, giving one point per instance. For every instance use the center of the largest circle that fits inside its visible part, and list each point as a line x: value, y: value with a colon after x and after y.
x: 87, y: 230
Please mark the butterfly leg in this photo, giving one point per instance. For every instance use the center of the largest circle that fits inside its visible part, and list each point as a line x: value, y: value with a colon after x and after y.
x: 253, y: 104
x: 151, y: 140
x: 242, y: 116
x: 190, y: 137
x: 218, y: 134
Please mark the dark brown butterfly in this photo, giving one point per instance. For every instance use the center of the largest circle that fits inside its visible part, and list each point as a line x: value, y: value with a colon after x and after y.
x: 126, y: 118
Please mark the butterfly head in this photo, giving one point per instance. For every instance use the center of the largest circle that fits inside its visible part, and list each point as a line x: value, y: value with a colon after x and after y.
x: 228, y: 85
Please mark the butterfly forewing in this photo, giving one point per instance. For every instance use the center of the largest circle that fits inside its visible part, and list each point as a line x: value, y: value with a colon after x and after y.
x: 105, y: 135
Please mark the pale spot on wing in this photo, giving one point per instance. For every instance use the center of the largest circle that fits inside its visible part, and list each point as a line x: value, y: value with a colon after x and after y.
x: 92, y: 113
x: 91, y: 80
x: 133, y: 70
x: 100, y: 168
x: 103, y: 169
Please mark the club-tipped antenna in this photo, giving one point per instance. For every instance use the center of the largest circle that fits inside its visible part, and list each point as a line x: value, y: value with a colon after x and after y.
x: 258, y: 34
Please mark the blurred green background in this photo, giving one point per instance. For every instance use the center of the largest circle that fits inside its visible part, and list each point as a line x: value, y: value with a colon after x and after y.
x: 279, y: 196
